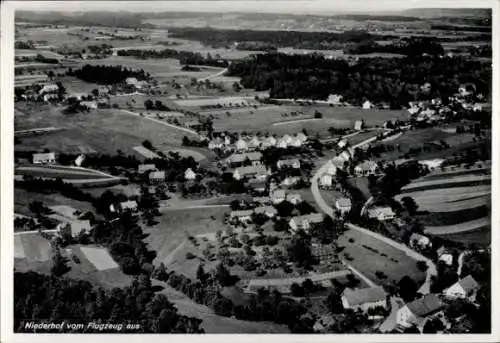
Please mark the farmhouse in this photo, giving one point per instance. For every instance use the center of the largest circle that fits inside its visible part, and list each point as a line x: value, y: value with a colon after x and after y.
x: 419, y: 311
x: 419, y: 241
x: 366, y: 168
x: 189, y: 174
x: 334, y: 99
x: 142, y: 168
x: 445, y: 255
x: 465, y: 288
x: 278, y: 196
x: 432, y: 164
x: 252, y: 171
x: 331, y: 169
x: 381, y: 213
x: 290, y: 163
x: 294, y: 198
x: 304, y: 222
x: 156, y: 177
x: 338, y: 162
x: 243, y: 216
x: 364, y: 299
x: 269, y: 211
x: 343, y: 205
x: 326, y: 180
x: 44, y: 158
x: 254, y: 143
x: 282, y: 143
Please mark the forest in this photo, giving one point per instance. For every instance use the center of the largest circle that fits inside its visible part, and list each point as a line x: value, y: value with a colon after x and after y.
x: 107, y: 74
x: 393, y: 81
x: 184, y: 57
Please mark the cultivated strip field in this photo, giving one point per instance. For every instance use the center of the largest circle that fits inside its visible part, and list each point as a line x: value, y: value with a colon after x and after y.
x: 99, y: 257
x: 448, y: 182
x: 146, y: 152
x: 472, y: 225
x: 63, y: 173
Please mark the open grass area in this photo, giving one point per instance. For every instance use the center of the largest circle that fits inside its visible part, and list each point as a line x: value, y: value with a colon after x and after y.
x: 176, y: 225
x: 468, y: 226
x: 481, y: 237
x: 58, y: 173
x: 468, y: 213
x: 391, y: 261
x: 103, y: 131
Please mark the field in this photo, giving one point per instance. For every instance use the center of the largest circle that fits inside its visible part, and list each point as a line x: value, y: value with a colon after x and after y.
x: 32, y: 247
x: 63, y: 173
x: 476, y: 224
x: 99, y: 257
x: 103, y: 131
x: 198, y: 156
x: 393, y: 262
x: 76, y: 86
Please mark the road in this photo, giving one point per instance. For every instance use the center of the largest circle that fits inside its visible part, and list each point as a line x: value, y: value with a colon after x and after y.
x: 163, y: 123
x: 432, y: 270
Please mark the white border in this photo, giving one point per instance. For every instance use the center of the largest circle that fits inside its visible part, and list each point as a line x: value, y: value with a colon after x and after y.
x: 6, y: 199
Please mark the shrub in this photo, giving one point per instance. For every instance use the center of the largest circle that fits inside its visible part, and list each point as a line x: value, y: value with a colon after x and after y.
x: 190, y: 256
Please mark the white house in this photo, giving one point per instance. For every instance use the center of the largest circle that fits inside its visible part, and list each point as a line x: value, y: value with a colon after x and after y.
x: 345, y: 155
x: 130, y: 205
x: 342, y: 143
x: 331, y: 169
x: 367, y: 105
x: 303, y: 138
x: 294, y: 198
x: 465, y: 288
x: 364, y: 299
x: 359, y: 125
x: 79, y: 160
x: 432, y: 164
x: 287, y: 138
x: 216, y: 143
x: 254, y: 143
x: 304, y: 222
x: 366, y: 168
x: 142, y: 168
x: 44, y: 158
x: 269, y: 142
x: 343, y: 205
x: 295, y: 142
x: 291, y: 163
x: 189, y: 174
x: 420, y: 241
x: 50, y: 88
x: 419, y: 311
x: 278, y: 196
x: 241, y: 145
x: 381, y: 213
x: 326, y: 180
x: 89, y: 104
x: 445, y: 255
x: 282, y: 143
x: 290, y: 181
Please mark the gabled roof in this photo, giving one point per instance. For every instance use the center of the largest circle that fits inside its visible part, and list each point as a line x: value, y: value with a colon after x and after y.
x: 365, y: 295
x: 468, y: 284
x: 425, y: 306
x: 288, y: 162
x: 262, y: 200
x: 311, y: 218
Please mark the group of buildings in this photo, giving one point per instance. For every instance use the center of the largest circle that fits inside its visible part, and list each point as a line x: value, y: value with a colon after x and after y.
x: 256, y: 143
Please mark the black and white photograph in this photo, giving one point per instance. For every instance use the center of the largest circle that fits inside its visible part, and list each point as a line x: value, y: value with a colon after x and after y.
x: 249, y: 167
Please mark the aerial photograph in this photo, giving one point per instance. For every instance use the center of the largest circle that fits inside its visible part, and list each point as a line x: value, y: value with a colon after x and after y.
x: 259, y: 168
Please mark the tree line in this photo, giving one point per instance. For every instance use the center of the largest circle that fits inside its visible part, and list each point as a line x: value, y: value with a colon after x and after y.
x: 103, y: 75
x: 184, y: 57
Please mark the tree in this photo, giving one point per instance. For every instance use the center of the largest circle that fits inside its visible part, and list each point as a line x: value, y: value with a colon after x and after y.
x: 407, y: 288
x: 299, y: 251
x: 200, y: 274
x: 161, y: 272
x: 334, y: 300
x: 410, y: 205
x: 59, y: 266
x: 147, y: 144
x: 148, y: 104
x: 296, y: 290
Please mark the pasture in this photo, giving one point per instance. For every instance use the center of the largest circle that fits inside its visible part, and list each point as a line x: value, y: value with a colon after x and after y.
x: 379, y: 257
x: 32, y: 252
x: 99, y: 257
x: 469, y: 226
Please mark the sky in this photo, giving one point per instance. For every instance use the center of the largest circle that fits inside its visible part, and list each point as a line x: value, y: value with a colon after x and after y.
x: 268, y: 6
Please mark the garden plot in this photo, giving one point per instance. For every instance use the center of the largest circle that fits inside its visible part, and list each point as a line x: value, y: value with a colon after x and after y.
x: 99, y: 257
x: 477, y: 224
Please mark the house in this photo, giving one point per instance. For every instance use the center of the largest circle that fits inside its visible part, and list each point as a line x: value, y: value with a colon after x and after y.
x: 216, y: 143
x: 367, y: 105
x: 291, y: 163
x: 290, y: 181
x: 419, y: 311
x: 295, y: 142
x: 189, y: 174
x: 304, y: 222
x: 364, y: 299
x: 465, y: 288
x: 414, y: 110
x: 238, y: 159
x: 44, y: 158
x: 50, y: 97
x: 254, y: 143
x: 381, y: 213
x: 269, y: 142
x: 287, y: 138
x: 241, y: 145
x: 242, y: 215
x: 331, y: 169
x: 432, y: 164
x: 79, y: 160
x: 366, y: 168
x: 49, y: 88
x: 294, y: 198
x: 343, y: 205
x: 103, y: 90
x: 326, y: 180
x: 445, y: 255
x: 323, y: 252
x: 251, y: 171
x: 142, y: 168
x: 269, y: 211
x: 257, y: 186
x: 282, y: 143
x: 130, y: 205
x: 359, y: 125
x: 302, y: 137
x: 345, y: 155
x: 157, y: 177
x: 338, y: 162
x: 334, y: 99
x: 262, y: 200
x: 227, y: 140
x: 278, y: 196
x: 92, y: 105
x: 342, y: 143
x: 419, y: 241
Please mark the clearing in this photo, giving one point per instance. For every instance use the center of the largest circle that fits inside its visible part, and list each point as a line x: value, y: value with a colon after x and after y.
x: 99, y: 257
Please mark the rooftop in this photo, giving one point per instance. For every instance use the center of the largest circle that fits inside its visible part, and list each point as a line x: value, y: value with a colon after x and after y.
x: 364, y: 295
x: 425, y: 306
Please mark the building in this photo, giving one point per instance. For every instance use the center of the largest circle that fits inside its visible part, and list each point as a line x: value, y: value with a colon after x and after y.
x: 445, y: 255
x: 432, y: 164
x: 242, y: 215
x: 326, y: 180
x: 75, y: 227
x: 343, y: 205
x: 364, y: 299
x: 290, y: 163
x: 344, y: 156
x: 189, y: 174
x: 419, y: 241
x: 295, y: 142
x: 49, y: 88
x: 359, y: 125
x: 130, y: 205
x: 216, y: 143
x: 241, y: 145
x: 259, y: 172
x: 142, y: 168
x: 465, y: 288
x: 92, y: 105
x: 334, y: 99
x: 262, y: 200
x: 50, y: 96
x: 79, y: 160
x: 282, y: 143
x: 294, y: 198
x: 44, y: 158
x: 254, y: 143
x: 269, y: 142
x: 331, y: 169
x: 269, y: 211
x: 367, y: 105
x: 304, y: 222
x: 338, y: 162
x: 366, y: 168
x: 257, y: 185
x: 419, y: 311
x: 302, y: 137
x: 342, y: 143
x: 156, y: 177
x: 381, y: 213
x: 290, y: 181
x: 103, y: 90
x: 278, y: 196
x: 236, y: 160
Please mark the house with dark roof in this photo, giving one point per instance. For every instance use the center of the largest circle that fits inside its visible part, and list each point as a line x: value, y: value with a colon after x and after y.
x: 419, y: 311
x: 465, y: 288
x: 364, y: 299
